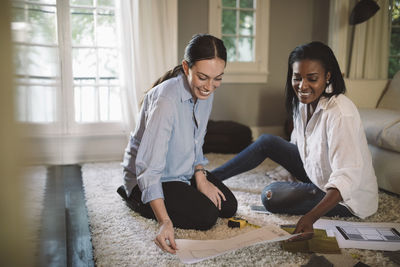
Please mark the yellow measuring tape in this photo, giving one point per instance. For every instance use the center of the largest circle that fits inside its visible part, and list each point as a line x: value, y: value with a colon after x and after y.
x: 237, y: 222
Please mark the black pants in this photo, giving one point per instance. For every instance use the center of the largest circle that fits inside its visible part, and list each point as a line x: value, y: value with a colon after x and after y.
x: 187, y: 207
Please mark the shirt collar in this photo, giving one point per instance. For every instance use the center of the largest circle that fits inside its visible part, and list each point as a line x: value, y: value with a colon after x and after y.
x: 185, y: 93
x: 322, y: 104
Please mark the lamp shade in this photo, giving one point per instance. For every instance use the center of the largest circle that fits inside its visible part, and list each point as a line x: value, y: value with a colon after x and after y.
x: 363, y: 11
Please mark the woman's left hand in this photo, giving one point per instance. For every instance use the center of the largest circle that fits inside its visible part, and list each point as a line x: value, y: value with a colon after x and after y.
x: 210, y: 190
x: 305, y: 227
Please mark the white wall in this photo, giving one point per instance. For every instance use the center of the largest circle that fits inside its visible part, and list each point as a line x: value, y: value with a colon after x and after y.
x: 291, y: 23
x: 13, y: 245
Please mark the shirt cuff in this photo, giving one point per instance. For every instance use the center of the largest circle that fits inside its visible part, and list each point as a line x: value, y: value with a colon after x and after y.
x: 201, y: 161
x: 342, y: 185
x: 152, y: 192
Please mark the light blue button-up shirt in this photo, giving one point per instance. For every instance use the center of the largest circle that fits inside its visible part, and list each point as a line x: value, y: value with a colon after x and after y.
x: 166, y: 144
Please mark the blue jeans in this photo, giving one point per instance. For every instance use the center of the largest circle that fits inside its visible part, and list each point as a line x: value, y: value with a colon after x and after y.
x: 280, y: 197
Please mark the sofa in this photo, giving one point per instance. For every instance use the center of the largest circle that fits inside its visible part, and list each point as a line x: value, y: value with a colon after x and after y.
x: 379, y: 105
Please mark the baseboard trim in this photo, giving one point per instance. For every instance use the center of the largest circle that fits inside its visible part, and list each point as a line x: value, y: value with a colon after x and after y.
x: 274, y: 130
x: 58, y: 150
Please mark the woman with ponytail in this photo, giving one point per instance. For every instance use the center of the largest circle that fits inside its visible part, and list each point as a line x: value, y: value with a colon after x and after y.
x: 164, y: 174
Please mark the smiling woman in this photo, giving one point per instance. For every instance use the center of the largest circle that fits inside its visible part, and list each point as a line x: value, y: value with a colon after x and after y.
x: 309, y: 81
x: 204, y: 77
x: 328, y: 151
x: 164, y: 172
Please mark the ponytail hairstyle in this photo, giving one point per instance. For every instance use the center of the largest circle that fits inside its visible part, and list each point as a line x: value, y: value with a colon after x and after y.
x: 319, y: 52
x: 200, y: 47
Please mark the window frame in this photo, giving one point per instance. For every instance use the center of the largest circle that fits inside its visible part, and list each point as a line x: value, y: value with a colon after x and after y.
x: 93, y: 128
x: 41, y: 128
x: 65, y: 124
x: 246, y: 72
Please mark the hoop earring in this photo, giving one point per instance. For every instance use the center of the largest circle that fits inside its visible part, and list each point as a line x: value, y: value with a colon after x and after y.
x: 329, y: 88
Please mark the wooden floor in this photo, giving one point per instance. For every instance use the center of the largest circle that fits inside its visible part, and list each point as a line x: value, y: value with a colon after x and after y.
x: 65, y: 235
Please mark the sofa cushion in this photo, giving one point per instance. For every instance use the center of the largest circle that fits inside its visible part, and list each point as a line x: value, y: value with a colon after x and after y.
x: 382, y: 127
x: 390, y: 137
x: 387, y: 168
x: 391, y: 98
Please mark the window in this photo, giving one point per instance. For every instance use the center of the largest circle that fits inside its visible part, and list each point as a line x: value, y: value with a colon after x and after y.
x: 237, y: 29
x: 394, y: 57
x: 243, y: 26
x: 37, y: 61
x: 67, y: 65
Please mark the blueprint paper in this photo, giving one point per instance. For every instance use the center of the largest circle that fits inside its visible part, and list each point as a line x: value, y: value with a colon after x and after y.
x: 192, y: 251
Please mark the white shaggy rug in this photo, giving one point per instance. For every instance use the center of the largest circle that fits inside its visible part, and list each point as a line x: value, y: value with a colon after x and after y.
x: 121, y: 237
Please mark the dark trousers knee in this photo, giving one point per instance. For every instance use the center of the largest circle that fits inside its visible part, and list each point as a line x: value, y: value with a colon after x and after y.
x: 202, y: 221
x: 187, y: 207
x: 290, y: 197
x: 297, y: 198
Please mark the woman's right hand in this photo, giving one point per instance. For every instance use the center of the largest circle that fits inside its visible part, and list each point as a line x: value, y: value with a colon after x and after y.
x: 211, y: 191
x: 165, y: 238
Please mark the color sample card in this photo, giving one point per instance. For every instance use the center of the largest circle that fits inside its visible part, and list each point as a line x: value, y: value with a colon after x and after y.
x: 384, y: 234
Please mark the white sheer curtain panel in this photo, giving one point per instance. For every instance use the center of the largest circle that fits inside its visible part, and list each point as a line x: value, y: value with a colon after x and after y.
x: 339, y: 31
x: 149, y: 48
x: 370, y: 47
x: 370, y: 52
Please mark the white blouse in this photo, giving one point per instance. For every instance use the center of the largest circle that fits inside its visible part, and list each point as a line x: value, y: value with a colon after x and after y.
x: 335, y: 154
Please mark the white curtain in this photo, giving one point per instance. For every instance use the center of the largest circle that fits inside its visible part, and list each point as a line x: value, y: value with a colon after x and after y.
x: 370, y: 52
x: 370, y: 47
x: 339, y: 31
x: 149, y: 30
